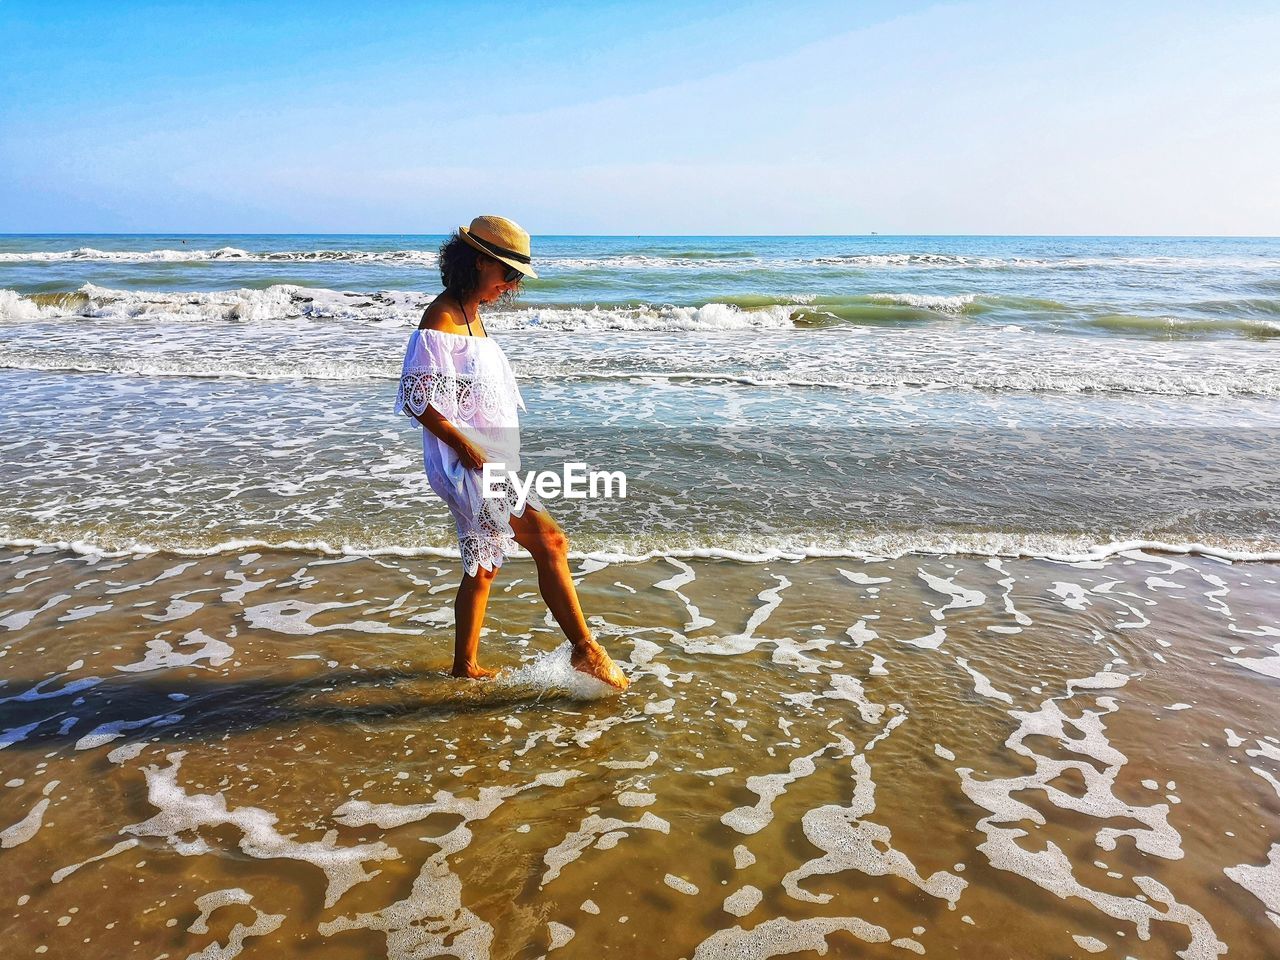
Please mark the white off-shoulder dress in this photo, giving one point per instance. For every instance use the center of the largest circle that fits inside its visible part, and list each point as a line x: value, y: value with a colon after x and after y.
x: 471, y: 384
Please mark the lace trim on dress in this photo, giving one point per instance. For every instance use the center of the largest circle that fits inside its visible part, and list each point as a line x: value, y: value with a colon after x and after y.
x: 495, y: 539
x: 455, y: 396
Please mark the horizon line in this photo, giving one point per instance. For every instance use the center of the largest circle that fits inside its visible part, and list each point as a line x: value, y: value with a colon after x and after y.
x: 726, y: 236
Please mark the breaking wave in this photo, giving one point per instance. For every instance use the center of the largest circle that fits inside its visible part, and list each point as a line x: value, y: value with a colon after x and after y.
x: 235, y: 254
x: 657, y: 260
x: 744, y: 549
x: 285, y: 301
x: 1256, y: 319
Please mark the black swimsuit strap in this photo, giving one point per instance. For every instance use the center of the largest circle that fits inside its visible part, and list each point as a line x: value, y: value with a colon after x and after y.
x: 468, y: 319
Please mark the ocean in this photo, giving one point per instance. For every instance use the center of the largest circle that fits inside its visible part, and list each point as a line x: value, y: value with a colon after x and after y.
x: 946, y: 580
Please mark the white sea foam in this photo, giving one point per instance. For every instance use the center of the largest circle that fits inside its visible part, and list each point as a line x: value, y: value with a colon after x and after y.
x: 161, y: 655
x: 294, y: 617
x: 681, y: 885
x: 14, y: 306
x: 38, y: 691
x: 140, y: 256
x: 26, y: 828
x: 197, y: 366
x: 603, y: 832
x: 644, y: 261
x: 583, y: 346
x: 288, y: 301
x: 708, y: 317
x: 636, y: 261
x: 181, y: 812
x: 851, y: 842
x: 782, y: 936
x: 106, y: 732
x: 930, y: 641
x: 1263, y: 882
x: 1095, y: 760
x: 431, y: 919
x: 686, y: 576
x: 20, y: 619
x: 879, y: 547
x: 887, y: 375
x: 961, y: 597
x: 263, y: 923
x: 768, y: 787
x: 746, y: 641
x: 845, y: 687
x: 741, y: 902
x: 950, y: 261
x: 552, y: 670
x: 981, y: 684
x: 918, y: 260
x: 232, y: 254
x: 63, y: 872
x: 387, y: 816
x: 1267, y: 666
x: 938, y: 304
x: 1089, y: 944
x: 276, y: 302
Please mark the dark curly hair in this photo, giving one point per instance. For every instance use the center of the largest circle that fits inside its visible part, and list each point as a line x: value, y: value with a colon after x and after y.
x: 458, y: 261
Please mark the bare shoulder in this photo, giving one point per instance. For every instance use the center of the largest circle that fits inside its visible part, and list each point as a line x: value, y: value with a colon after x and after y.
x: 442, y: 314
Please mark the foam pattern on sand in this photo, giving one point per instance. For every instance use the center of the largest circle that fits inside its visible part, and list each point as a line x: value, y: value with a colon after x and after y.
x: 790, y: 769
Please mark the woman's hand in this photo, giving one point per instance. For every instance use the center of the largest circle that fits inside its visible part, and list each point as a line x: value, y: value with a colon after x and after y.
x: 470, y: 455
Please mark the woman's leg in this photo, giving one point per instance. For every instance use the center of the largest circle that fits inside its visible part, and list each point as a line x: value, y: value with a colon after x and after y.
x: 468, y: 609
x: 538, y: 533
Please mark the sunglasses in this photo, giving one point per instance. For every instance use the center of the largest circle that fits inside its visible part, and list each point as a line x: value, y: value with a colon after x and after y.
x: 512, y: 275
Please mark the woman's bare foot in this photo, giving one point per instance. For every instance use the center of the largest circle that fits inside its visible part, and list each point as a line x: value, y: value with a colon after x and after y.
x: 591, y: 658
x: 473, y: 672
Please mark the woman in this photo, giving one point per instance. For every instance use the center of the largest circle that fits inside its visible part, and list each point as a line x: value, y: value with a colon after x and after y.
x: 457, y: 383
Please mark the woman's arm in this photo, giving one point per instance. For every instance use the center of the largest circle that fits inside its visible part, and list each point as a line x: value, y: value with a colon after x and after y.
x: 470, y: 455
x: 436, y: 317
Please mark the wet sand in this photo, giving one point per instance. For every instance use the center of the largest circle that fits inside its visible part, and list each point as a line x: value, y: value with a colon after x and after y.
x: 262, y: 753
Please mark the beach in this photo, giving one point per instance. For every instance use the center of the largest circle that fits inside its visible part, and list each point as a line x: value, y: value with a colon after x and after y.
x: 946, y: 581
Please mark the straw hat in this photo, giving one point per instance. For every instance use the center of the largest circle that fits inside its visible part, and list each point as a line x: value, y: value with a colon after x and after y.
x: 501, y: 239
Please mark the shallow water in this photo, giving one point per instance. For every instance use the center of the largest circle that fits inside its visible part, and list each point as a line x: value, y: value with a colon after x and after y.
x: 930, y: 753
x: 946, y: 581
x: 1016, y: 395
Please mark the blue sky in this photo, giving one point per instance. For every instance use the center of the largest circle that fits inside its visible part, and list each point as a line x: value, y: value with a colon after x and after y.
x: 641, y: 118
